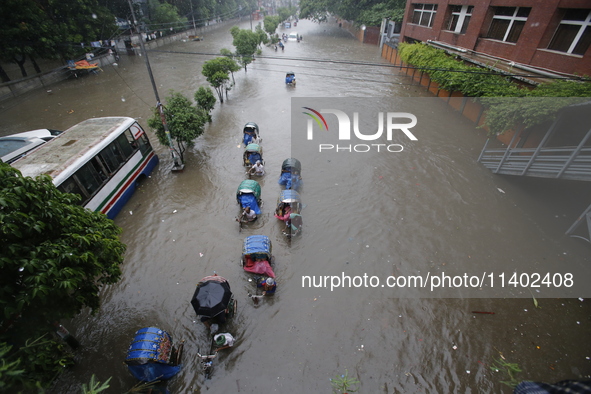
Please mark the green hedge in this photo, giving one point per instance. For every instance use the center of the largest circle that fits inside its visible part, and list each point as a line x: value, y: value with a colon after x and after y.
x: 495, y: 92
x: 473, y: 81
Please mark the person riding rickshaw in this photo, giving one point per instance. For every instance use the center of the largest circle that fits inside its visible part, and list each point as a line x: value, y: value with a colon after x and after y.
x: 256, y: 255
x: 252, y: 153
x: 248, y: 195
x: 289, y: 207
x: 291, y: 174
x: 151, y: 355
x: 213, y: 300
x: 290, y: 78
x: 250, y: 133
x: 294, y: 225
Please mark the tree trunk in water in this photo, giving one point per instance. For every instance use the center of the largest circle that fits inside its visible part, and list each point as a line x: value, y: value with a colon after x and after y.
x: 3, y: 75
x: 37, y: 69
x: 21, y: 64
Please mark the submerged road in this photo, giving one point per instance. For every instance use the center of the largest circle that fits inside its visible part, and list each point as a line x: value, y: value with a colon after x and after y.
x: 430, y: 208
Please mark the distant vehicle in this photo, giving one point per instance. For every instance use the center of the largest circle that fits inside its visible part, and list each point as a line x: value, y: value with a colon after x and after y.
x: 293, y: 36
x: 15, y: 146
x: 101, y: 159
x: 290, y: 78
x: 287, y: 25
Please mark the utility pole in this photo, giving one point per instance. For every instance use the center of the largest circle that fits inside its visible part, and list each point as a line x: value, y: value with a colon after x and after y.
x: 178, y: 166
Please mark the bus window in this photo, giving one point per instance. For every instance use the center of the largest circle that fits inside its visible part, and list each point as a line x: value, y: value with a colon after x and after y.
x: 100, y: 167
x: 112, y: 156
x: 89, y: 177
x: 145, y: 146
x: 70, y: 186
x: 124, y: 146
x: 130, y: 139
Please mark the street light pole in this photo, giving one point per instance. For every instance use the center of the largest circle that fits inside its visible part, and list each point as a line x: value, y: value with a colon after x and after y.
x: 178, y: 166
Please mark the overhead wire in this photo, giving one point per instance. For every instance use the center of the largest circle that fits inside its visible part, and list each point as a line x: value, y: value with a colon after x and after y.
x: 368, y: 64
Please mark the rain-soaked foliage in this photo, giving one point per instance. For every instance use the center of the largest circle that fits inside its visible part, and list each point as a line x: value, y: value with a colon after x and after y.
x: 368, y: 12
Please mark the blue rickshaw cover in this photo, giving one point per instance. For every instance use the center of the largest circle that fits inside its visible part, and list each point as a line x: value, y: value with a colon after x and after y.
x: 149, y: 355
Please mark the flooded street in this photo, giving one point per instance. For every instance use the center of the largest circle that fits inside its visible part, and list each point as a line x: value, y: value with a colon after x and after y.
x: 430, y: 208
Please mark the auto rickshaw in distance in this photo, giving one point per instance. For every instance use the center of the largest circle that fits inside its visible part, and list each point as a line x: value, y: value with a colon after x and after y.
x: 290, y: 79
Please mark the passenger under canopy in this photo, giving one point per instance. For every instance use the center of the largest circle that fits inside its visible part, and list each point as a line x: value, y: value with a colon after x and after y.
x: 252, y: 153
x: 251, y: 133
x: 290, y: 174
x: 249, y: 195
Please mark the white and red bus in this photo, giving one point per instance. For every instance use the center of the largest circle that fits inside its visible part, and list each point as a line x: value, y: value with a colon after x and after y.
x: 101, y: 159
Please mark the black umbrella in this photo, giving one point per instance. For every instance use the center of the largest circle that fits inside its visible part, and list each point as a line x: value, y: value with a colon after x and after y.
x: 211, y: 298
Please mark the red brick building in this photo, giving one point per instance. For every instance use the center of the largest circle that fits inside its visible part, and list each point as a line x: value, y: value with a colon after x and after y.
x: 549, y: 34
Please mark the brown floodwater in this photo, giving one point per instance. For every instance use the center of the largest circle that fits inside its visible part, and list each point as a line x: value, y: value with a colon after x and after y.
x: 431, y: 208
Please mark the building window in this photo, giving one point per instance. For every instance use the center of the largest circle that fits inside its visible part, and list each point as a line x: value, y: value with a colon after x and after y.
x: 574, y: 32
x: 460, y: 17
x: 423, y: 14
x: 507, y: 23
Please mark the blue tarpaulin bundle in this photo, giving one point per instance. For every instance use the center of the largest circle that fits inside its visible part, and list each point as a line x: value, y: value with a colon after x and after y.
x: 249, y: 200
x: 149, y: 355
x: 257, y: 244
x: 290, y: 181
x: 253, y: 157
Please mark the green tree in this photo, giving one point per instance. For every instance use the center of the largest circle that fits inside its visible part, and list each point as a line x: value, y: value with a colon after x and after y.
x: 246, y: 43
x: 50, y: 29
x: 185, y: 122
x: 368, y: 12
x: 165, y: 16
x: 217, y: 74
x: 230, y: 65
x: 206, y: 100
x: 315, y: 10
x: 270, y: 24
x: 56, y: 256
x: 262, y: 36
x: 285, y: 13
x: 10, y: 371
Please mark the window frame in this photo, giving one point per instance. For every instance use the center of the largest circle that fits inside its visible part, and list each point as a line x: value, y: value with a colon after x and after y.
x: 512, y: 19
x: 461, y: 23
x: 422, y: 11
x: 584, y: 28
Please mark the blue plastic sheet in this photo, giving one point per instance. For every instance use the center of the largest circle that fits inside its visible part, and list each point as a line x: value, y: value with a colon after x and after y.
x: 152, y: 371
x: 290, y: 181
x: 249, y: 200
x: 253, y: 157
x: 247, y: 139
x: 148, y: 355
x: 257, y: 244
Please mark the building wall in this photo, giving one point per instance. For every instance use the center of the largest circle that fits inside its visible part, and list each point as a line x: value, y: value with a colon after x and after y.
x: 530, y: 48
